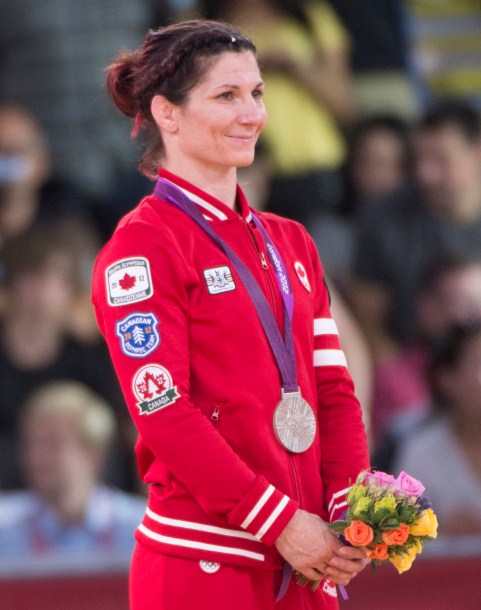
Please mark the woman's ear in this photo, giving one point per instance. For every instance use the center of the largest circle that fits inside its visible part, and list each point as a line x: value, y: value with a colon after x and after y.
x: 164, y: 113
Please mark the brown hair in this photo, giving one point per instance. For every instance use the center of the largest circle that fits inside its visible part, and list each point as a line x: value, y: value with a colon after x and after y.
x: 171, y: 61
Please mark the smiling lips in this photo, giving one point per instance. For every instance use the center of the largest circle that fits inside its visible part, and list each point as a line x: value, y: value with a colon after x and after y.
x: 245, y: 138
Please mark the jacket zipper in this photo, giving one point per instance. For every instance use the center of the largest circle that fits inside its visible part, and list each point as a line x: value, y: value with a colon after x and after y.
x: 215, y: 414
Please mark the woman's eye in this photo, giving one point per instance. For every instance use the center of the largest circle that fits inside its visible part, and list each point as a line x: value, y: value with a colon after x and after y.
x: 227, y: 95
x: 257, y: 93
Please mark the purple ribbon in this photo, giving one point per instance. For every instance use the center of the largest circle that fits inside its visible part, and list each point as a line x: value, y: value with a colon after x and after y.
x: 279, y: 267
x: 282, y: 348
x: 286, y: 579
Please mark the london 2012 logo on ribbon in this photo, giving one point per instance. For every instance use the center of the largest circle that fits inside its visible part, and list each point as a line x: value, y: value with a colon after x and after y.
x: 138, y: 334
x: 152, y: 386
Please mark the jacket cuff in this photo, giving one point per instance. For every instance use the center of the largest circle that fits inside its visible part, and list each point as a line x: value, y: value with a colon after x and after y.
x: 337, y: 504
x: 264, y: 512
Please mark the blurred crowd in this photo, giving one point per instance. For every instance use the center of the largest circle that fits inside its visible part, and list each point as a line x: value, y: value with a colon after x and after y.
x: 373, y: 143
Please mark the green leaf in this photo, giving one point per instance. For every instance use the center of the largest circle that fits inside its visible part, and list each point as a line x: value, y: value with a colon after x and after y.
x: 338, y: 527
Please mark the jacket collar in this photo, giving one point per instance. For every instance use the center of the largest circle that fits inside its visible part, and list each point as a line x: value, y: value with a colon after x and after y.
x: 213, y: 209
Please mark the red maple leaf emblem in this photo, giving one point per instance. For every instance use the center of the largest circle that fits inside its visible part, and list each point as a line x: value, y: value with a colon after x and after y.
x: 127, y: 282
x: 301, y: 271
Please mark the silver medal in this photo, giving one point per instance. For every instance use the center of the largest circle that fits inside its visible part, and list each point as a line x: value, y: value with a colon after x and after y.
x: 294, y: 422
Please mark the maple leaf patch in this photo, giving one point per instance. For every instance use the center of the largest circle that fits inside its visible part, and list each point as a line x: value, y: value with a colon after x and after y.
x: 302, y: 275
x: 127, y: 282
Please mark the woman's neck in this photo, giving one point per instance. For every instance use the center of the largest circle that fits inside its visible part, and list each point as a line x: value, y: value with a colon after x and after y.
x: 221, y: 183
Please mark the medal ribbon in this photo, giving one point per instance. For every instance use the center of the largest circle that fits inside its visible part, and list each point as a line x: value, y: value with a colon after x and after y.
x: 282, y: 349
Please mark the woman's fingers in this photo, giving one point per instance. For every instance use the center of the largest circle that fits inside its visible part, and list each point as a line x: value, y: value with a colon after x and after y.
x: 341, y: 571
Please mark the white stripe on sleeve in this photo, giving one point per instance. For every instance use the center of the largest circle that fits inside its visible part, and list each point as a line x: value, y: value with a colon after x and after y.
x: 329, y: 357
x: 277, y: 511
x: 325, y: 326
x: 258, y: 507
x: 338, y: 494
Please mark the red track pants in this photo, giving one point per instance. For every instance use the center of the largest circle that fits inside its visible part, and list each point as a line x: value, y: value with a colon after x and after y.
x: 161, y: 582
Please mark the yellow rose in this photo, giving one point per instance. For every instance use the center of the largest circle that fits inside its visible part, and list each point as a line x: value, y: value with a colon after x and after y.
x: 426, y: 525
x: 404, y: 561
x: 361, y: 507
x: 389, y: 503
x: 355, y: 493
x: 401, y: 562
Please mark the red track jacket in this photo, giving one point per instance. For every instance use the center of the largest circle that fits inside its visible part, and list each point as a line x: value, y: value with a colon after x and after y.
x: 202, y: 384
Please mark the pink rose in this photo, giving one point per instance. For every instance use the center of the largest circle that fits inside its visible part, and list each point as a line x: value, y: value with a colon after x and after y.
x: 408, y: 485
x: 380, y: 478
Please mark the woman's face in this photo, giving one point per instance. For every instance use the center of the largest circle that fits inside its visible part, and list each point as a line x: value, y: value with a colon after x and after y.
x: 220, y: 122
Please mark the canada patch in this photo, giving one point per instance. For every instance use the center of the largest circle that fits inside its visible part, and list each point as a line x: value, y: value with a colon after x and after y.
x: 138, y: 334
x: 128, y: 281
x: 329, y: 588
x: 219, y: 279
x: 302, y: 275
x: 152, y: 386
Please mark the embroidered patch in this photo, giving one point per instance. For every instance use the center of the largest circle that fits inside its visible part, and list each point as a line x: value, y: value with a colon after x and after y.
x: 302, y: 275
x: 329, y: 588
x: 210, y: 567
x: 128, y: 281
x: 219, y: 279
x: 153, y: 388
x: 138, y: 334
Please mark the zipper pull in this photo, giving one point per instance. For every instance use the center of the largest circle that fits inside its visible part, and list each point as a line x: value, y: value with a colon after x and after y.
x: 264, y: 264
x: 215, y: 414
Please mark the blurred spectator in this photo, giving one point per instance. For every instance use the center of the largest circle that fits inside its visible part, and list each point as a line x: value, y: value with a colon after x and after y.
x: 28, y: 194
x: 403, y: 237
x: 43, y: 270
x: 66, y: 514
x: 304, y: 51
x: 450, y: 295
x: 445, y: 452
x: 445, y: 39
x: 53, y: 55
x: 380, y: 56
x: 379, y: 158
x: 378, y: 164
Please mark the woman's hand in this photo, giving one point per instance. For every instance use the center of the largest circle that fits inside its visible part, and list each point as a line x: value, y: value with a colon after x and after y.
x: 309, y: 546
x: 346, y: 563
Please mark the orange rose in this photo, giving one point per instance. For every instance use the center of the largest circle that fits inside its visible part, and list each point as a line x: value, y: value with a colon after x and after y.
x: 397, y: 536
x: 359, y: 533
x: 378, y: 552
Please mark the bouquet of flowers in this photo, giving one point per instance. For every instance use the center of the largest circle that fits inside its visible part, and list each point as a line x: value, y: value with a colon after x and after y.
x: 389, y: 518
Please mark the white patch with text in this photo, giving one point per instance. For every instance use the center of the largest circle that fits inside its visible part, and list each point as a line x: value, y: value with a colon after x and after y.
x: 128, y: 281
x: 219, y: 279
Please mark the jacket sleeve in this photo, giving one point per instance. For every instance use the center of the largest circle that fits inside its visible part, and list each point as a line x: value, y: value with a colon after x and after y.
x: 343, y: 438
x: 178, y: 435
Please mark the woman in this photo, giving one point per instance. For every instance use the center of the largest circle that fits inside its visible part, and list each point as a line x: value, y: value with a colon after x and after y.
x: 304, y: 50
x: 195, y: 295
